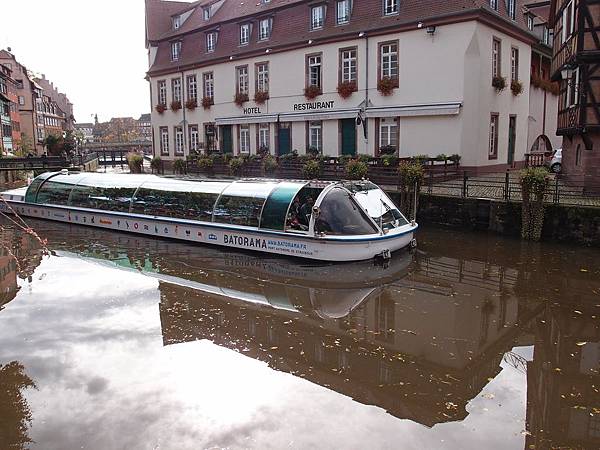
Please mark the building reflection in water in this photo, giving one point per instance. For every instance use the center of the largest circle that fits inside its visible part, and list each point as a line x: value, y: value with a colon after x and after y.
x: 420, y: 338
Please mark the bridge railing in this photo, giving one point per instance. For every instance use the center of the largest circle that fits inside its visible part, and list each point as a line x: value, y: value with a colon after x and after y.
x: 34, y: 163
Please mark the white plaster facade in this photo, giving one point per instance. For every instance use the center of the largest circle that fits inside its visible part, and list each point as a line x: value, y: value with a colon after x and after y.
x: 443, y: 103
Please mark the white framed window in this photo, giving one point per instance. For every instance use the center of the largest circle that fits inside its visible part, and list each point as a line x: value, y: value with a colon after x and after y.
x: 572, y: 93
x: 242, y: 79
x: 496, y: 55
x: 390, y: 7
x: 514, y: 64
x: 211, y: 41
x: 530, y: 22
x: 244, y: 34
x: 206, y: 13
x: 176, y: 89
x: 343, y: 12
x: 262, y: 77
x: 244, y: 138
x: 21, y: 100
x: 388, y: 132
x: 568, y: 20
x: 164, y: 140
x: 511, y: 9
x: 389, y: 60
x: 546, y: 35
x: 494, y: 5
x: 194, y: 147
x: 178, y: 140
x: 175, y: 50
x: 348, y: 62
x: 493, y: 138
x: 317, y: 17
x: 264, y: 29
x: 209, y: 85
x: 263, y: 136
x: 192, y: 87
x: 176, y: 22
x: 314, y: 70
x: 162, y: 93
x: 315, y: 135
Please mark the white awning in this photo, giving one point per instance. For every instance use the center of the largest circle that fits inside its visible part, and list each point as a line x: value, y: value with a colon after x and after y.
x: 263, y: 118
x: 295, y: 116
x: 430, y: 109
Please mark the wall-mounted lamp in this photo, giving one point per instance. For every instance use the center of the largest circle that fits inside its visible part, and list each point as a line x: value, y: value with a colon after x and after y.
x: 361, y: 34
x: 566, y: 73
x: 431, y: 30
x: 231, y: 58
x: 420, y: 25
x: 309, y: 41
x: 267, y: 50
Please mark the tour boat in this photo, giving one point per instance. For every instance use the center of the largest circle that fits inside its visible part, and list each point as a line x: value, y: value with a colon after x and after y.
x: 321, y: 220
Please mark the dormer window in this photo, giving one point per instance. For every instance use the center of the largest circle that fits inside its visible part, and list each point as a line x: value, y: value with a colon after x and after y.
x: 390, y: 7
x: 343, y: 12
x: 510, y: 8
x: 244, y: 34
x: 211, y: 41
x: 206, y: 13
x: 264, y: 29
x: 176, y: 22
x: 494, y: 5
x: 317, y: 14
x: 530, y: 22
x: 175, y: 50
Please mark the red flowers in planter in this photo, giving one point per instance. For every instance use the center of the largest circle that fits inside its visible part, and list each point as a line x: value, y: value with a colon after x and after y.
x: 207, y: 102
x: 312, y: 92
x: 191, y: 104
x: 160, y: 108
x: 346, y: 88
x: 240, y: 99
x: 175, y: 105
x: 261, y: 96
x: 387, y: 85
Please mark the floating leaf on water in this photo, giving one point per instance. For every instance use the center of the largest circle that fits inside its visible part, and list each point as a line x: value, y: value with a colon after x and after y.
x: 583, y: 270
x: 581, y: 344
x: 577, y: 311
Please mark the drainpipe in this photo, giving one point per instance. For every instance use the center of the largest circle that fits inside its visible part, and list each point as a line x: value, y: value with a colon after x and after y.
x: 183, y: 108
x: 366, y: 123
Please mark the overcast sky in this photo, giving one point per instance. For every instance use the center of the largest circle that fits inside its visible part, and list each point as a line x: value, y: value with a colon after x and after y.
x: 93, y: 51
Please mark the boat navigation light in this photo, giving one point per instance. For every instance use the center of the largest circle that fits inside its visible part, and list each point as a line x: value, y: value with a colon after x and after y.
x: 64, y: 171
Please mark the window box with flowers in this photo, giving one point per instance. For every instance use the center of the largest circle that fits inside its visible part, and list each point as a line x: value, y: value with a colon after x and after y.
x: 240, y: 99
x: 499, y: 83
x: 261, y: 96
x: 311, y: 92
x: 386, y: 85
x: 175, y: 105
x: 191, y: 104
x: 516, y: 87
x: 387, y: 150
x: 346, y: 88
x: 160, y: 108
x: 207, y: 102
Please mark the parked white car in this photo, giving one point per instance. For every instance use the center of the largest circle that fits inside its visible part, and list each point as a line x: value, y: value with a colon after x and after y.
x: 555, y: 161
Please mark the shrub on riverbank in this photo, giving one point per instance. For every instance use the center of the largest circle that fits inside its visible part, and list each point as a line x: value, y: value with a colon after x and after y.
x: 156, y: 164
x: 135, y: 162
x: 534, y: 182
x: 356, y: 169
x: 411, y: 178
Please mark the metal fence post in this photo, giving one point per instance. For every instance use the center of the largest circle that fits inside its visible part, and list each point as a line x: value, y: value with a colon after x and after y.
x: 556, y: 190
x: 506, y: 186
x: 464, y: 186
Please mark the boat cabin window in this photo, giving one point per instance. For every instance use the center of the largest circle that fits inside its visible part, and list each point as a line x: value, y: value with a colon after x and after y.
x: 54, y: 192
x: 377, y: 204
x: 103, y: 198
x: 241, y: 203
x: 300, y: 210
x: 340, y: 215
x: 181, y: 205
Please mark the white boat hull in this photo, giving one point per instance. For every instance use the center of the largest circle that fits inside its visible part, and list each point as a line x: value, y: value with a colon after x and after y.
x: 326, y: 248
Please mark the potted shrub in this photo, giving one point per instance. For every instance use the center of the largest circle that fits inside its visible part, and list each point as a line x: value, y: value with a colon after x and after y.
x: 207, y: 102
x: 313, y: 151
x: 135, y: 162
x: 311, y: 92
x: 263, y: 150
x: 387, y: 85
x: 389, y: 160
x: 156, y: 164
x: 269, y: 164
x: 240, y: 99
x: 260, y: 97
x: 311, y: 169
x: 516, y: 87
x: 387, y: 150
x: 346, y: 88
x: 191, y: 104
x: 205, y: 163
x: 356, y: 169
x: 236, y: 165
x: 441, y: 157
x: 499, y: 83
x: 455, y: 158
x: 175, y: 105
x: 534, y: 183
x: 179, y: 166
x: 411, y: 176
x: 160, y: 108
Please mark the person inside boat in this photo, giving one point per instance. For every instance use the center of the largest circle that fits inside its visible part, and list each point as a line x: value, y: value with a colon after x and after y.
x: 330, y: 220
x: 306, y: 211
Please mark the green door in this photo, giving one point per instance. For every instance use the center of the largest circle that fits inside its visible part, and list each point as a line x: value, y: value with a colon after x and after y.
x: 512, y: 135
x: 226, y: 139
x: 348, y: 137
x: 284, y: 143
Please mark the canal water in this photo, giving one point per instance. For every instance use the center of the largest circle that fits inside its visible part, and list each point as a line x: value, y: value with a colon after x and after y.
x: 110, y: 340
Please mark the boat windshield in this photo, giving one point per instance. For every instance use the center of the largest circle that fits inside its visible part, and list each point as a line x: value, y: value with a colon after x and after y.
x: 340, y: 215
x: 377, y: 204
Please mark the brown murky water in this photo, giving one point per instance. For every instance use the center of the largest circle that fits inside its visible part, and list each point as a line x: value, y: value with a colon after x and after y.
x: 473, y: 342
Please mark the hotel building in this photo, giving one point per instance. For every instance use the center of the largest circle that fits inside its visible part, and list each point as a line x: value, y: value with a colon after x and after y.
x: 349, y: 77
